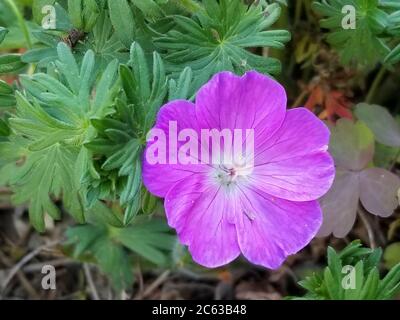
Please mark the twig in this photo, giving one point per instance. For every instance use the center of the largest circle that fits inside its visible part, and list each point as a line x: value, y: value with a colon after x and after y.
x: 368, y: 227
x: 35, y: 267
x: 92, y: 287
x: 140, y: 280
x: 299, y: 100
x: 160, y: 280
x: 375, y: 84
x: 22, y: 262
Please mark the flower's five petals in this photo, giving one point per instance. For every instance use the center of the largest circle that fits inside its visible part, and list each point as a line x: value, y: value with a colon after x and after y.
x: 261, y: 204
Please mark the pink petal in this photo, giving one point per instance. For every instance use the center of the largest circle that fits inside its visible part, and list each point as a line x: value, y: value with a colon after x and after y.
x: 294, y: 163
x: 231, y: 102
x: 379, y: 191
x: 159, y: 178
x: 202, y: 217
x: 339, y: 205
x: 270, y: 229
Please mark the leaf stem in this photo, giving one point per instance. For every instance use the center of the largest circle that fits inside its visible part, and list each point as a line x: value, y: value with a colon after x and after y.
x: 375, y: 84
x: 298, y: 11
x: 21, y: 22
x: 368, y: 227
x: 394, y: 161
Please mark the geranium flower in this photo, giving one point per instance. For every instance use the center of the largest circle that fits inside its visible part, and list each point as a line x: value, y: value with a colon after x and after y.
x: 264, y: 206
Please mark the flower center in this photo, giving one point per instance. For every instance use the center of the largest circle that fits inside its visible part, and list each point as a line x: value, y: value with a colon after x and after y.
x: 230, y: 174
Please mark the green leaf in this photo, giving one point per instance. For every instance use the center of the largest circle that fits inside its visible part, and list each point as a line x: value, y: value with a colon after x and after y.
x: 75, y: 13
x: 385, y: 128
x: 3, y: 33
x: 11, y: 63
x: 390, y: 285
x: 352, y: 144
x: 123, y: 21
x: 149, y: 8
x: 114, y: 262
x: 217, y: 37
x: 5, y: 88
x: 148, y: 238
x: 149, y: 202
x: 140, y: 70
x: 91, y: 13
x: 364, y: 44
x: 363, y: 265
x: 105, y: 93
x: 7, y: 100
x: 111, y: 257
x: 392, y: 255
x: 181, y: 89
x: 55, y: 125
x: 371, y: 284
x: 132, y: 190
x: 394, y: 56
x: 111, y: 247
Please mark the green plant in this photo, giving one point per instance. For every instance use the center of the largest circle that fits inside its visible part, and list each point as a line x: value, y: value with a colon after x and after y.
x: 352, y: 274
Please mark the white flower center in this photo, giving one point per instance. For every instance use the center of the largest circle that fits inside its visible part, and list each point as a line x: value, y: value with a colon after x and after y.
x: 230, y: 174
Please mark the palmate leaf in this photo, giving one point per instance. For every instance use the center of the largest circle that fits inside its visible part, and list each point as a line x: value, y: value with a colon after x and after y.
x: 121, y: 137
x: 54, y: 118
x: 217, y: 37
x: 352, y: 144
x: 112, y: 247
x: 362, y: 45
x: 101, y: 39
x: 381, y: 122
x: 356, y: 181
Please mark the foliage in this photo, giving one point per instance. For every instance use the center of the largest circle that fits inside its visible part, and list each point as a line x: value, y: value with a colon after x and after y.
x: 111, y: 247
x: 357, y: 263
x: 367, y: 41
x: 216, y: 39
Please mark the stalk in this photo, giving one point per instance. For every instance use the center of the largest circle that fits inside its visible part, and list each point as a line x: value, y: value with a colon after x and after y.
x: 21, y: 22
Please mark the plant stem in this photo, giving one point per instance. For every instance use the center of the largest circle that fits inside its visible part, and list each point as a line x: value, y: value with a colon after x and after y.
x: 21, y: 22
x: 394, y: 161
x: 298, y: 11
x: 375, y: 85
x: 368, y: 227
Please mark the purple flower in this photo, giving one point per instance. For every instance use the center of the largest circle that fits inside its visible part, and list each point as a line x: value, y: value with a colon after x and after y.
x: 264, y: 207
